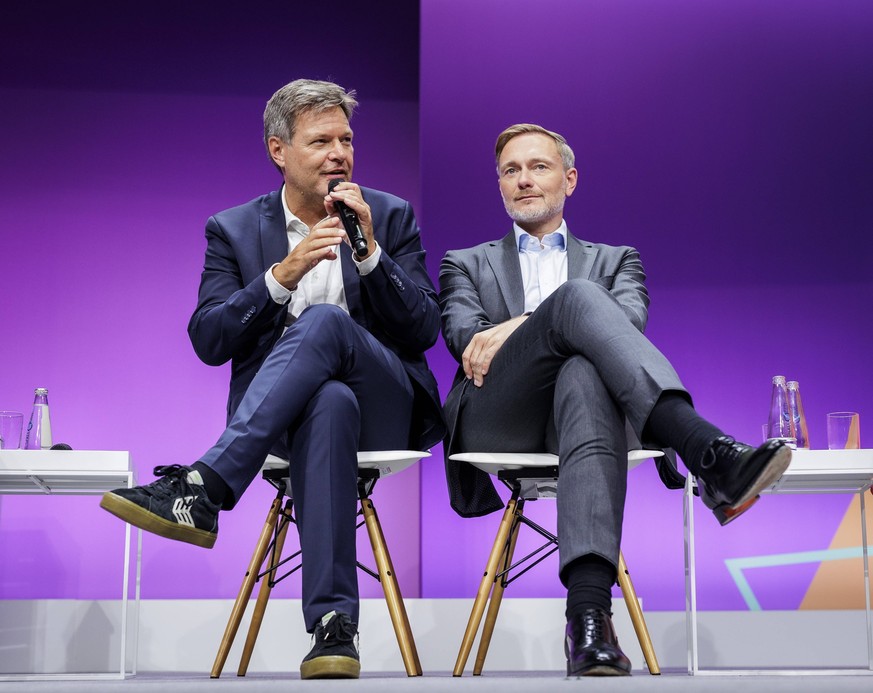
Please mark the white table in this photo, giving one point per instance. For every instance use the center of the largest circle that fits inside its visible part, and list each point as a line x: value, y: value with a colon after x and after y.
x: 77, y: 472
x: 810, y: 472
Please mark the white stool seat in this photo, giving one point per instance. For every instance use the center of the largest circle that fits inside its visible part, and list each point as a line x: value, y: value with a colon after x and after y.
x: 494, y: 462
x: 386, y: 461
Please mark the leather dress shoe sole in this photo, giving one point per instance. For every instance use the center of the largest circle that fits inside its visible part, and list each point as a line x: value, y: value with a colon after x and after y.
x: 600, y: 670
x: 768, y: 475
x: 726, y: 514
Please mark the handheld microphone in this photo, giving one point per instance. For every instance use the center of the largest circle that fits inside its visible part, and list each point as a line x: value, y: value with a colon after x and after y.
x: 350, y: 221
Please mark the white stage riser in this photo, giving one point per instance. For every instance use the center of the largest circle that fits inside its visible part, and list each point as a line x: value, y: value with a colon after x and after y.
x: 51, y: 636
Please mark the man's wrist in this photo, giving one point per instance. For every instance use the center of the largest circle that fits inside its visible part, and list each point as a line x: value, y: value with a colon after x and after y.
x: 368, y: 264
x: 280, y: 293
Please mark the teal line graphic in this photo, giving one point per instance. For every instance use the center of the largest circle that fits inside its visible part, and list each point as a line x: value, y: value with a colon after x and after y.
x: 736, y: 566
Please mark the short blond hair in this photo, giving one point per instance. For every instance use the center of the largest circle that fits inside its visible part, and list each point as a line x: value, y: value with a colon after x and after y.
x: 567, y: 156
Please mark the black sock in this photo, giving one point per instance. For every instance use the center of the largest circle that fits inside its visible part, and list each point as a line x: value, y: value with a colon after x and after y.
x: 589, y: 580
x: 674, y: 423
x: 215, y: 487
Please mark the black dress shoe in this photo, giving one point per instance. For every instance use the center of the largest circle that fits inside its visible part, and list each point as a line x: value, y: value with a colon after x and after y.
x: 592, y: 648
x: 733, y: 474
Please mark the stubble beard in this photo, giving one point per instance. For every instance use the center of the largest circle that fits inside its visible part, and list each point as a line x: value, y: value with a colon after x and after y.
x: 533, y: 215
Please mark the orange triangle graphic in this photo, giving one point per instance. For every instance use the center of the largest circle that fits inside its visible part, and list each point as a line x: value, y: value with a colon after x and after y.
x: 840, y: 584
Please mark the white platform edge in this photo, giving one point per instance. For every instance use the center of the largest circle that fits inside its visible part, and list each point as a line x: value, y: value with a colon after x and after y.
x: 60, y: 461
x: 528, y: 637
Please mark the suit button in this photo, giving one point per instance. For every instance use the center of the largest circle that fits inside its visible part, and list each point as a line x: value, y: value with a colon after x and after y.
x: 248, y: 314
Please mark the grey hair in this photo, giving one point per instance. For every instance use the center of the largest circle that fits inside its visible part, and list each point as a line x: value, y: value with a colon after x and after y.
x: 298, y: 97
x: 567, y: 156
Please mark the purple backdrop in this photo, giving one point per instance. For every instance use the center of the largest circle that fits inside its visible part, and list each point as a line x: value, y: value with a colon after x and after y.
x: 119, y: 139
x: 729, y: 141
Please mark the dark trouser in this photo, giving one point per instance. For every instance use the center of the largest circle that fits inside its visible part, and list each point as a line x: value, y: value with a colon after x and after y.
x: 333, y: 389
x: 564, y: 382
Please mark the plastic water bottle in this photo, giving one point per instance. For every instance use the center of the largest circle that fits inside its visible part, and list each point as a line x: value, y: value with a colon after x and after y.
x: 39, y: 429
x: 795, y: 408
x: 780, y: 425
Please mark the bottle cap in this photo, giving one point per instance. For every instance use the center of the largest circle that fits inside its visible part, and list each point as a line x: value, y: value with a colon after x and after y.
x: 41, y: 391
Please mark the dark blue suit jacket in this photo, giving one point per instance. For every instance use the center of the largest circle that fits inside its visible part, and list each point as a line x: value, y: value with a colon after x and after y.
x: 237, y: 320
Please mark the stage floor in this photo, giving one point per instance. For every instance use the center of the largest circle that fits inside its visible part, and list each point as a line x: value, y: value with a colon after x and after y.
x: 501, y: 682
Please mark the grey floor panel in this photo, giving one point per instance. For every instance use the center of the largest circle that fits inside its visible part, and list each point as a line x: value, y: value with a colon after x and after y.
x: 499, y: 682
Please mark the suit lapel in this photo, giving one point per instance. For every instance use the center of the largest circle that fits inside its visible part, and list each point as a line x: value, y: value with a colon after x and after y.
x: 274, y: 236
x: 273, y: 243
x: 351, y: 284
x: 580, y: 258
x: 503, y: 258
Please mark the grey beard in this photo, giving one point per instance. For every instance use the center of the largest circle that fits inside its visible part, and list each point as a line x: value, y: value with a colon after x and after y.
x: 532, y: 216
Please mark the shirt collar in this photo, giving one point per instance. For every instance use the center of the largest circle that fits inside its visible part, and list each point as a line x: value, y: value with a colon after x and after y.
x: 561, y: 231
x: 291, y: 220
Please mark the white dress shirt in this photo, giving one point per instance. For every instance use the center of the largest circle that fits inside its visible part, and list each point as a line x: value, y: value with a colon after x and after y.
x: 543, y: 264
x: 323, y: 283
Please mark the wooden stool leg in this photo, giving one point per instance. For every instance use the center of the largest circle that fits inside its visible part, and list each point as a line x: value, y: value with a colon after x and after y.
x: 485, y: 586
x: 393, y: 598
x: 245, y: 590
x: 264, y: 594
x: 494, y: 604
x: 636, y: 615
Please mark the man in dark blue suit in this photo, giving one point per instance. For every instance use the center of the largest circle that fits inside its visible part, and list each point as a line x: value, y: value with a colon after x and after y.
x: 327, y: 352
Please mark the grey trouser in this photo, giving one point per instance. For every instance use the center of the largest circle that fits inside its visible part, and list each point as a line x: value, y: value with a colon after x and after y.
x: 564, y: 382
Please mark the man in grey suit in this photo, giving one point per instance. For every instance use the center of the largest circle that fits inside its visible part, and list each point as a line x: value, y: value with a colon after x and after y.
x: 548, y: 332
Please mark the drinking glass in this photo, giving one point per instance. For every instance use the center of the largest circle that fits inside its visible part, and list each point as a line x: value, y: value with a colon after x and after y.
x: 10, y: 429
x: 844, y: 431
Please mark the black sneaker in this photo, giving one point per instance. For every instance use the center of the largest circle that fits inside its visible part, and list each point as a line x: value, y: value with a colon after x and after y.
x: 733, y: 474
x: 334, y: 653
x: 175, y: 506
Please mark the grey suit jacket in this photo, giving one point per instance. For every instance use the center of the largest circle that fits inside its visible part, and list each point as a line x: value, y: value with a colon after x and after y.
x: 481, y: 287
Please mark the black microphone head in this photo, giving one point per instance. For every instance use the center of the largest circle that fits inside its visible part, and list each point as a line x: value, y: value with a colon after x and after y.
x: 333, y: 182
